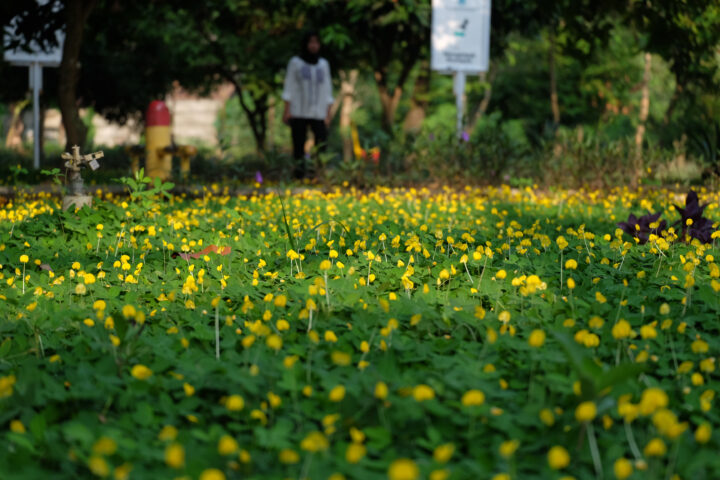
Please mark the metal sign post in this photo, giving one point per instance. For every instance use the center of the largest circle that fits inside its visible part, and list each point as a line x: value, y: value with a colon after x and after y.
x: 460, y: 43
x: 459, y: 91
x: 36, y: 84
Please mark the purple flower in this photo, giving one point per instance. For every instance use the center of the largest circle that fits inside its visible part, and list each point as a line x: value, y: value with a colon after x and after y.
x: 642, y: 227
x: 465, y: 136
x: 258, y: 177
x: 431, y: 137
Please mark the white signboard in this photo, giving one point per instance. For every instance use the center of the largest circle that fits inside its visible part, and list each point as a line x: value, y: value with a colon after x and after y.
x: 460, y: 35
x: 45, y: 55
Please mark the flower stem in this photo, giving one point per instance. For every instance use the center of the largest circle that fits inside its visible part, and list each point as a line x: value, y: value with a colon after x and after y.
x: 597, y: 462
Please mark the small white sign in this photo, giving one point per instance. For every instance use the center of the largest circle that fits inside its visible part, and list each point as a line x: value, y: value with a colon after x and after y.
x: 460, y: 35
x: 45, y: 55
x: 94, y: 165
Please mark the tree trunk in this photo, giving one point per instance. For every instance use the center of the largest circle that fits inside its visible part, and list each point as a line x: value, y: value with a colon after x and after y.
x: 76, y: 14
x: 257, y: 115
x: 642, y: 119
x: 348, y: 80
x: 554, y: 105
x: 270, y: 141
x: 419, y: 101
x: 673, y: 103
x: 13, y: 139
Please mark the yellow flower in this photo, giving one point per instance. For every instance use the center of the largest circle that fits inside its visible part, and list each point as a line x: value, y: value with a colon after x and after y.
x: 189, y: 389
x: 423, y: 392
x: 621, y: 329
x: 325, y: 265
x: 403, y: 469
x: 547, y: 417
x: 288, y: 456
x: 104, y: 446
x: 280, y: 301
x: 235, y: 403
x: 473, y: 398
x: 340, y: 358
x: 175, y: 455
x: 561, y: 242
x: 212, y: 474
x: 652, y: 399
x: 570, y: 264
x: 501, y: 274
x: 537, y: 338
x: 337, y: 393
x: 648, y: 331
x: 655, y: 448
x: 274, y: 342
x: 699, y: 346
x: 168, y: 432
x: 585, y: 412
x: 99, y: 305
x: 355, y: 452
x: 703, y: 433
x: 141, y: 372
x: 129, y: 311
x: 98, y: 466
x: 444, y: 452
x: 122, y: 472
x: 24, y: 259
x: 508, y: 448
x: 381, y: 390
x: 570, y: 283
x: 17, y: 426
x: 623, y: 468
x: 501, y: 476
x: 227, y: 445
x: 558, y: 458
x: 314, y: 442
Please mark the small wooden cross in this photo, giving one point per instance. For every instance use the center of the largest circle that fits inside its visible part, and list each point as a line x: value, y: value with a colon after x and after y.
x: 74, y: 162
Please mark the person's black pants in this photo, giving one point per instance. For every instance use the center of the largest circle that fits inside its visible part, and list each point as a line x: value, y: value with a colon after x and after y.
x: 298, y: 128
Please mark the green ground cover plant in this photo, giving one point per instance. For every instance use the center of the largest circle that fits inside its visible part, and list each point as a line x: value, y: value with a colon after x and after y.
x: 397, y: 333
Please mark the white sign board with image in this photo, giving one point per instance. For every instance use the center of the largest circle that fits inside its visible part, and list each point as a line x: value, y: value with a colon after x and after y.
x: 460, y: 35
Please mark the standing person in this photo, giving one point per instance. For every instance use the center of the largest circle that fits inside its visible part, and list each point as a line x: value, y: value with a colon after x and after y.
x: 308, y: 99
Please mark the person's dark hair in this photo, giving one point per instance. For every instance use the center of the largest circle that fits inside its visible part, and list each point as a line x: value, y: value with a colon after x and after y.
x: 305, y: 54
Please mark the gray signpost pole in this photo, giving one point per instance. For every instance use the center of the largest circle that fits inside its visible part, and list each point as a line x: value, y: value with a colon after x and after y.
x: 459, y: 91
x: 36, y: 84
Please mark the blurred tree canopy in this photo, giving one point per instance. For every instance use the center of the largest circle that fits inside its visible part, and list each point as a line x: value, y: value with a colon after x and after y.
x: 553, y: 62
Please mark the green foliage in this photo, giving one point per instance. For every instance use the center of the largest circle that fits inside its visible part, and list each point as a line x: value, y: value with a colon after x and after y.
x: 144, y: 190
